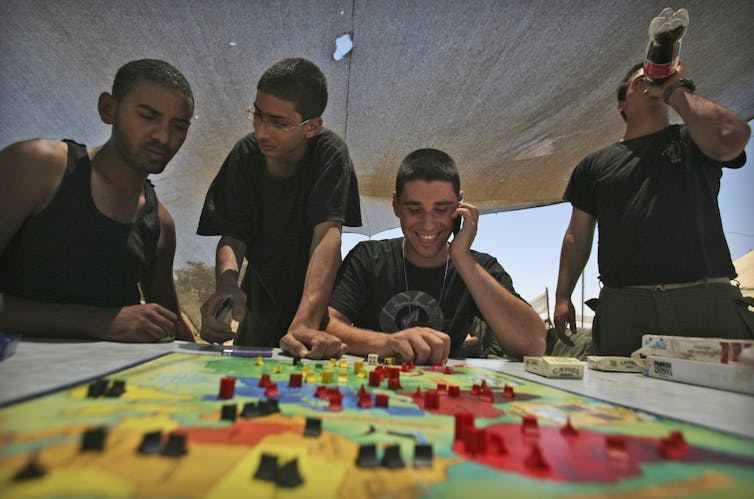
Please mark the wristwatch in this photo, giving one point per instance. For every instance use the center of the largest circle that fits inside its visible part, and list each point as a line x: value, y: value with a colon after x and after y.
x: 683, y: 82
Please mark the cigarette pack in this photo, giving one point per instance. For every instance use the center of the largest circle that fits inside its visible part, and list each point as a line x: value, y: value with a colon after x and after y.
x: 738, y: 377
x: 555, y: 367
x: 717, y: 350
x: 617, y: 364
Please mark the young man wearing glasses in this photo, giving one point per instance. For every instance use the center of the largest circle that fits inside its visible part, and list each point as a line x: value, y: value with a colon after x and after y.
x: 417, y: 296
x: 663, y: 257
x: 81, y: 228
x: 280, y: 200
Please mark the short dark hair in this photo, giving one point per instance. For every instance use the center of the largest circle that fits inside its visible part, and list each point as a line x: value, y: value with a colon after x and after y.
x: 299, y: 81
x: 428, y: 165
x: 623, y: 87
x: 153, y: 70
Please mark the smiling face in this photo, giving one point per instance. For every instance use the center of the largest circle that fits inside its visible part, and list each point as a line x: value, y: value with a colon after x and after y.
x: 150, y: 123
x: 426, y: 212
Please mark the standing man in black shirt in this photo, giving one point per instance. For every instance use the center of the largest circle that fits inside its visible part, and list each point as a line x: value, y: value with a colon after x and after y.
x: 81, y: 229
x: 280, y: 200
x: 663, y: 258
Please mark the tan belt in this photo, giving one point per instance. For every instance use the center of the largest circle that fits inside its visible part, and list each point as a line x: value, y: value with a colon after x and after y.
x: 678, y: 285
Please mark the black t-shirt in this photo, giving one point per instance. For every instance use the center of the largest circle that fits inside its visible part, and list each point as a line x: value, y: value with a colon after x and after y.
x: 71, y: 253
x: 275, y: 218
x: 371, y: 290
x: 655, y: 201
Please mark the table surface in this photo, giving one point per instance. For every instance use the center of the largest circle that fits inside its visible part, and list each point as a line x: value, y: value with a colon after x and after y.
x: 40, y: 366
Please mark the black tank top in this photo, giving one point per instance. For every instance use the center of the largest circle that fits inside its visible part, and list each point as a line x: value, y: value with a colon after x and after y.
x: 72, y: 253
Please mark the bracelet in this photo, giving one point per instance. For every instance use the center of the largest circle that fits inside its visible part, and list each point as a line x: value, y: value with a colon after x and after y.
x: 683, y: 82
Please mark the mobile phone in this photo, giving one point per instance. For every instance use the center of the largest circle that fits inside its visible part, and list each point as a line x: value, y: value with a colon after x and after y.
x: 457, y: 221
x: 224, y: 309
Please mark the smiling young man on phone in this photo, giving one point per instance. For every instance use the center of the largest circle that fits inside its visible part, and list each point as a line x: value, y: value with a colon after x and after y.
x: 417, y: 296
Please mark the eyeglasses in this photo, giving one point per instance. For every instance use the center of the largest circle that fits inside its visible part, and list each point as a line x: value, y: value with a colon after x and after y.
x: 274, y: 126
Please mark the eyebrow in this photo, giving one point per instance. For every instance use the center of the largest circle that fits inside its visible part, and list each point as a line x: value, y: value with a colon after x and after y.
x: 155, y: 111
x: 268, y: 115
x: 417, y: 203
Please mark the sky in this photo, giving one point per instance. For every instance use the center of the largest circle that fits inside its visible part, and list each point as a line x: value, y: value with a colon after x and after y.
x: 527, y: 242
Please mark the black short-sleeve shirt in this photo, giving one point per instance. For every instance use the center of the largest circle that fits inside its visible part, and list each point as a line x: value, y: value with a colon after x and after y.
x: 275, y: 218
x: 655, y: 201
x: 371, y: 291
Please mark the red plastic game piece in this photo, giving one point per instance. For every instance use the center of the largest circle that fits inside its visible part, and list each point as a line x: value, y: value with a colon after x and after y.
x: 227, y: 387
x: 454, y: 391
x: 365, y: 400
x: 271, y: 391
x: 336, y: 402
x: 418, y: 393
x: 381, y: 400
x: 447, y: 370
x: 568, y: 429
x: 264, y: 381
x: 362, y: 391
x: 442, y: 387
x: 529, y: 426
x: 431, y: 399
x: 487, y: 395
x: 375, y: 378
x: 475, y: 389
x: 616, y: 447
x: 295, y: 380
x: 674, y: 447
x: 508, y: 392
x: 394, y: 383
x: 321, y: 392
x: 475, y: 441
x: 535, y: 460
x: 464, y: 423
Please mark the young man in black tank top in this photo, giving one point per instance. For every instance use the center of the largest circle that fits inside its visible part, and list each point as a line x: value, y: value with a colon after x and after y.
x: 81, y: 228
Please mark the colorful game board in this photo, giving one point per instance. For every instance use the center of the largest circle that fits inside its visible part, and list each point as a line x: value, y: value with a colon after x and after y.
x: 423, y: 432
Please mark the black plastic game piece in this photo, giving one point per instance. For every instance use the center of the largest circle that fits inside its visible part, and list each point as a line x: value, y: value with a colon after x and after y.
x: 269, y: 406
x: 392, y: 458
x: 288, y: 475
x: 313, y: 427
x: 117, y: 389
x: 151, y: 443
x: 250, y: 410
x: 268, y: 468
x: 229, y: 412
x: 175, y: 446
x: 94, y: 439
x: 367, y: 457
x: 423, y: 456
x: 32, y: 470
x: 296, y: 360
x: 97, y: 388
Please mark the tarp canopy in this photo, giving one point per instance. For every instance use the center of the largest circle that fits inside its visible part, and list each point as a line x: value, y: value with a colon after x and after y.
x: 516, y: 91
x: 745, y: 271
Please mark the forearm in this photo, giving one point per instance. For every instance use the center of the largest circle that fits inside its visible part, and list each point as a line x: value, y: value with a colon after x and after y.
x: 319, y: 280
x: 54, y: 320
x: 228, y: 259
x: 360, y: 342
x: 517, y: 327
x: 719, y: 132
x: 577, y: 246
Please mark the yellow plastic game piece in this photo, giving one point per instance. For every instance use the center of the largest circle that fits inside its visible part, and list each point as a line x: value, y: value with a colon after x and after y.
x: 277, y: 369
x: 362, y: 374
x: 327, y: 376
x: 342, y: 376
x: 333, y: 361
x: 390, y: 361
x: 358, y: 366
x: 260, y: 362
x: 343, y: 364
x: 310, y: 377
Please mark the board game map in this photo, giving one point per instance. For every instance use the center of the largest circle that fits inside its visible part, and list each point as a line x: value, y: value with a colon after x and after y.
x: 425, y: 431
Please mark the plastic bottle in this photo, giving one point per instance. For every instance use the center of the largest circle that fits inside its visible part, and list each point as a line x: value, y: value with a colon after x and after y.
x: 665, y: 35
